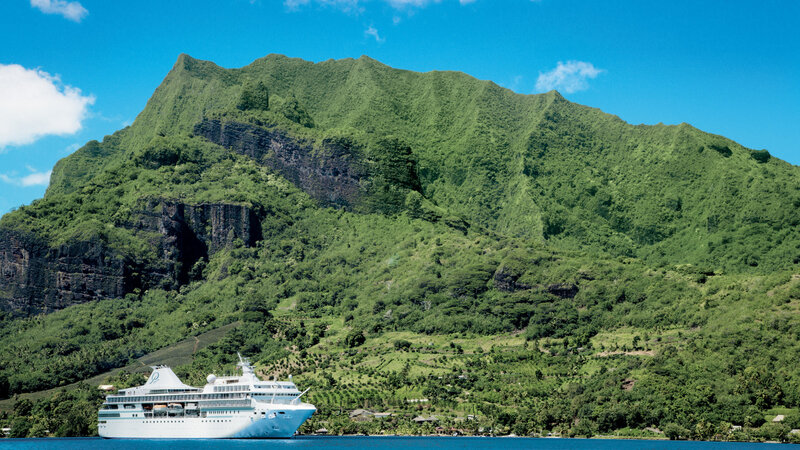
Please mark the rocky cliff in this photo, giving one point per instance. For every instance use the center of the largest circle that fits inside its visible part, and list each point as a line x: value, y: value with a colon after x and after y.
x: 37, y: 277
x: 193, y: 232
x: 331, y: 175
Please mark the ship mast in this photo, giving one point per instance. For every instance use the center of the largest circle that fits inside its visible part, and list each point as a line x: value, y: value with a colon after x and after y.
x: 244, y: 364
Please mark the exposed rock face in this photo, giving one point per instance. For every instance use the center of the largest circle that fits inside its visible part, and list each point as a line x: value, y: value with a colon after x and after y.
x: 563, y: 290
x: 192, y: 232
x: 35, y: 277
x: 506, y: 280
x: 331, y: 176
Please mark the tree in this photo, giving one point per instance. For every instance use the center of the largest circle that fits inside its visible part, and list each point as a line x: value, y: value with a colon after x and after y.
x: 704, y: 430
x: 20, y: 427
x: 584, y: 427
x: 355, y: 338
x: 23, y: 407
x: 673, y: 431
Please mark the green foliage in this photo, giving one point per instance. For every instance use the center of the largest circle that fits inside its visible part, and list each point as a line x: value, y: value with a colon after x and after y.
x: 673, y: 431
x: 292, y: 110
x: 355, y: 338
x: 163, y: 151
x: 64, y: 414
x: 402, y: 344
x: 254, y: 96
x: 760, y: 156
x: 722, y: 149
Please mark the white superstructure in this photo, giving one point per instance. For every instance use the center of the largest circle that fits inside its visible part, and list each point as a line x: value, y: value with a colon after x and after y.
x: 226, y: 407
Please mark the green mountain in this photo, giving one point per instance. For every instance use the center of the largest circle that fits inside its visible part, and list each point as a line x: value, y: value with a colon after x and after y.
x: 386, y: 235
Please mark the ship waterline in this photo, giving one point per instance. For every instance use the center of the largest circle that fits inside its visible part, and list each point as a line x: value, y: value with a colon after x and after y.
x: 226, y: 407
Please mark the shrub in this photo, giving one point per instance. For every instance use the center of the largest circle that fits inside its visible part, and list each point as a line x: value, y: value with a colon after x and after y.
x: 760, y: 156
x: 402, y: 344
x: 254, y: 96
x: 723, y: 150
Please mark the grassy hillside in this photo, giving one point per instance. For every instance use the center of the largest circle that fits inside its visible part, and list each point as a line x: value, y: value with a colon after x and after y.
x: 177, y: 354
x: 536, y: 263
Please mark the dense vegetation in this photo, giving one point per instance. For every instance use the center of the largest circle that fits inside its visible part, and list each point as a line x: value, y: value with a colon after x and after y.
x: 536, y: 264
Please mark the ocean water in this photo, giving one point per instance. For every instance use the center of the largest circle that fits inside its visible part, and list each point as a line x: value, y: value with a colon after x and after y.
x: 374, y: 443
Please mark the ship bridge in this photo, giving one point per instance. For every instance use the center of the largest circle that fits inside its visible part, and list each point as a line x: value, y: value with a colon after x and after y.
x: 270, y: 391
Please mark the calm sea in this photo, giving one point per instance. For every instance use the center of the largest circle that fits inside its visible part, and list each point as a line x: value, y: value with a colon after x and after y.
x: 373, y: 443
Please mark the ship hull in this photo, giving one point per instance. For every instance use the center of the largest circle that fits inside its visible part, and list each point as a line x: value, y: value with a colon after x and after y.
x: 225, y: 425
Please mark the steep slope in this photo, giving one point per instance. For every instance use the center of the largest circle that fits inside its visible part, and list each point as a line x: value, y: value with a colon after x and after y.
x: 533, y: 166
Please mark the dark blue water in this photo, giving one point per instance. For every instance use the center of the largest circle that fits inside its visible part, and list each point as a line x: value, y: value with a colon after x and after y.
x: 374, y: 443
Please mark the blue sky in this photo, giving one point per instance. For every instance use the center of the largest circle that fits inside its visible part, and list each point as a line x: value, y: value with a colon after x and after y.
x: 72, y: 71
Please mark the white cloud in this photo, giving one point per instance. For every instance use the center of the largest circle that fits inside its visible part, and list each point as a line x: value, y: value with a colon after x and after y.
x: 71, y: 10
x: 568, y: 77
x: 35, y: 104
x: 34, y: 178
x: 372, y: 31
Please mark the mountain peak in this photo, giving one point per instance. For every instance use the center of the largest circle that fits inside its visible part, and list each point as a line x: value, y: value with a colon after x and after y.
x: 554, y: 95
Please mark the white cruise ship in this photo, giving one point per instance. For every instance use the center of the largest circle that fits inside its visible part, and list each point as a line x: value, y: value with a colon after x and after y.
x: 227, y: 407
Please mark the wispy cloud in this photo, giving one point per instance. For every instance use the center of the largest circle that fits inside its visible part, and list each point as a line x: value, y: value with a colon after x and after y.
x: 71, y: 148
x: 515, y: 83
x: 357, y: 5
x: 568, y: 77
x: 344, y: 5
x: 399, y: 4
x: 35, y: 104
x: 70, y: 10
x: 372, y: 31
x: 35, y: 178
x: 294, y: 5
